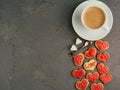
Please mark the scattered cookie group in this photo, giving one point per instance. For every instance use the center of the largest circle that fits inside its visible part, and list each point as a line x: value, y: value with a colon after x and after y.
x: 92, y: 66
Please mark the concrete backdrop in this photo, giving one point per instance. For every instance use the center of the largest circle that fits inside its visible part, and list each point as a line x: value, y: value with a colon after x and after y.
x: 35, y: 36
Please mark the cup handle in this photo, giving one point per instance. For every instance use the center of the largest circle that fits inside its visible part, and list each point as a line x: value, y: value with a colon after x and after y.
x: 105, y: 28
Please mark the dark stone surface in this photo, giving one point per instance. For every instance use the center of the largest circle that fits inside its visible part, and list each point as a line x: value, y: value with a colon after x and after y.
x: 35, y: 36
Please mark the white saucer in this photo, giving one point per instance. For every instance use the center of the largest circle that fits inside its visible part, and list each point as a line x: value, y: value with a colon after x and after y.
x: 91, y: 35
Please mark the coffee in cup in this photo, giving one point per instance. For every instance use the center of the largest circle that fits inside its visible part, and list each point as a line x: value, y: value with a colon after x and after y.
x: 93, y: 17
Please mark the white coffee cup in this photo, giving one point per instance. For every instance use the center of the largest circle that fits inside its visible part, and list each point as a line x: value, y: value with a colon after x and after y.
x: 88, y: 28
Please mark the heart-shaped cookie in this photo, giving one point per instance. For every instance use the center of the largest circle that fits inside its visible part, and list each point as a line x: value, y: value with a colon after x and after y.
x: 93, y: 77
x: 90, y: 53
x: 98, y: 86
x: 78, y: 59
x: 82, y: 85
x: 102, y: 45
x: 102, y: 68
x: 106, y: 78
x: 104, y: 56
x: 79, y: 73
x: 90, y: 65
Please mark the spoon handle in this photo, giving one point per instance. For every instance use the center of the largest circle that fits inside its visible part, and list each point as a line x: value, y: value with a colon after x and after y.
x: 74, y: 52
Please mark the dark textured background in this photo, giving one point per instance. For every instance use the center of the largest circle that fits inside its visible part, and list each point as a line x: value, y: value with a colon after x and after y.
x: 35, y: 36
